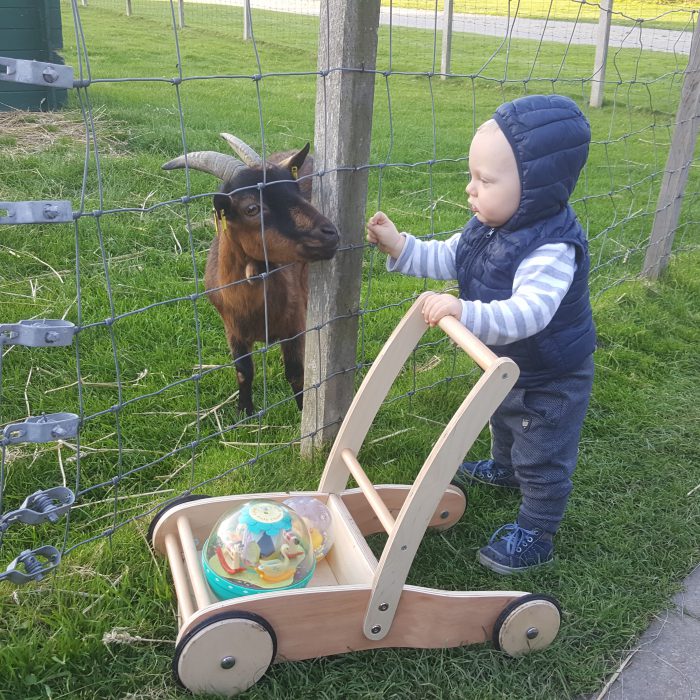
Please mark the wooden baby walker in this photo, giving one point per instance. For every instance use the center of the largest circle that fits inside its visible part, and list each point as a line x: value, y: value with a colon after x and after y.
x: 353, y: 601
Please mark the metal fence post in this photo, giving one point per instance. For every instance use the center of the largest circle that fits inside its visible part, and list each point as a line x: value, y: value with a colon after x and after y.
x: 601, y: 53
x: 447, y: 14
x: 344, y: 103
x: 128, y: 8
x: 680, y: 158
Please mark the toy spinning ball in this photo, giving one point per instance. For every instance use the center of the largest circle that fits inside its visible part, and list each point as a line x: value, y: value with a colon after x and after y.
x: 257, y: 547
x: 318, y: 519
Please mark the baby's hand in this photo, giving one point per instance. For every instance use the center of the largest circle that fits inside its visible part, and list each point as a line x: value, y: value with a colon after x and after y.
x: 381, y: 230
x: 437, y: 306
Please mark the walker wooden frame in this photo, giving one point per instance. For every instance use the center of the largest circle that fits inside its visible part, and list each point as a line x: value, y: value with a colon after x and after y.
x: 226, y: 646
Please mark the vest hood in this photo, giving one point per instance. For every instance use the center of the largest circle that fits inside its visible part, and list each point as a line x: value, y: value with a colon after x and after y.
x: 550, y: 137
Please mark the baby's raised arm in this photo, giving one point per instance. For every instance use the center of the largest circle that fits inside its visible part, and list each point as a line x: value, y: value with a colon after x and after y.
x: 382, y: 231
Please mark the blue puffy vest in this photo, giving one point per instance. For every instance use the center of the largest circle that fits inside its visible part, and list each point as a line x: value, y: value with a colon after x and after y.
x: 549, y: 136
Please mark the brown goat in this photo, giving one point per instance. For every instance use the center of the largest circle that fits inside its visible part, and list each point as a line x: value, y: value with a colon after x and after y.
x: 257, y: 267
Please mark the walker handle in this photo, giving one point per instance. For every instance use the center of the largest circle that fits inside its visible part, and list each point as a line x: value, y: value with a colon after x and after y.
x: 464, y: 338
x: 468, y: 342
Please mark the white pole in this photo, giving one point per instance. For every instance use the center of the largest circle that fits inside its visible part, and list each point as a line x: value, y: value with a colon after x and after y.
x: 447, y: 15
x: 601, y: 53
x: 246, y: 20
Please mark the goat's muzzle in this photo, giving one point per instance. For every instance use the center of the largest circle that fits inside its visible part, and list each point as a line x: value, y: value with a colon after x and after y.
x: 321, y: 243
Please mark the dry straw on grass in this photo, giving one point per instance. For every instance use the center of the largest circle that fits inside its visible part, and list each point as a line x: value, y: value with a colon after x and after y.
x: 24, y: 133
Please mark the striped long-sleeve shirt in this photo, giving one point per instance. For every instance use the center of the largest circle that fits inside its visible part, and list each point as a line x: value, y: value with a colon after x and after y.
x: 541, y: 281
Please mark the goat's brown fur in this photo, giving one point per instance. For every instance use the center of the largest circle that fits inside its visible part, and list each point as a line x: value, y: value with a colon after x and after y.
x: 257, y: 300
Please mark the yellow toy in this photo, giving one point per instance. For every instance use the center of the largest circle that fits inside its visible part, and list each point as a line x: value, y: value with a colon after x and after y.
x: 224, y: 647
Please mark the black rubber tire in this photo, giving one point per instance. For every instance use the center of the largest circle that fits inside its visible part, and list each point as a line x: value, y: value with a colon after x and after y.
x: 165, y: 509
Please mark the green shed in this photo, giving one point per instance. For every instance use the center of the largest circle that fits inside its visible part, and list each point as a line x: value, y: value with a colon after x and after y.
x: 30, y: 29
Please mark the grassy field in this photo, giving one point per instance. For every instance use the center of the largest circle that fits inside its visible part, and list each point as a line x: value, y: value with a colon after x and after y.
x: 627, y: 540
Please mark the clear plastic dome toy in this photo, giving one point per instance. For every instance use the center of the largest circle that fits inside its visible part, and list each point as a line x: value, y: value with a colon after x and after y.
x: 318, y: 519
x: 259, y: 546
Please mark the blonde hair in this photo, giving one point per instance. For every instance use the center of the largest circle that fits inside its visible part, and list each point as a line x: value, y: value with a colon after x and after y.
x: 489, y: 125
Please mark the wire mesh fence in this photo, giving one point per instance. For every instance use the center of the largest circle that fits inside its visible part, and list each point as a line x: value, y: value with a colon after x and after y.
x: 149, y: 373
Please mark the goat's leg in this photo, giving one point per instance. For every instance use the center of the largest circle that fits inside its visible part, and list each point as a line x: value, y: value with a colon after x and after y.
x: 242, y: 358
x: 293, y: 356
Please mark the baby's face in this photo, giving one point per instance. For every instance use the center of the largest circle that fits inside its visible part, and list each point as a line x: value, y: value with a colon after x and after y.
x: 494, y: 187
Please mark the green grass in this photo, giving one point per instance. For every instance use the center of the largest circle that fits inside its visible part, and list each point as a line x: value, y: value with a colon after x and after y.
x: 627, y: 539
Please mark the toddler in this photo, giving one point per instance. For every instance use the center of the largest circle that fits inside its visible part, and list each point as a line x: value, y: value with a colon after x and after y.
x: 522, y: 265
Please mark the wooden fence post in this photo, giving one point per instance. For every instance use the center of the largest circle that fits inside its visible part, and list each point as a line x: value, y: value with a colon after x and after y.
x: 344, y: 101
x: 601, y: 53
x: 680, y: 158
x: 447, y: 15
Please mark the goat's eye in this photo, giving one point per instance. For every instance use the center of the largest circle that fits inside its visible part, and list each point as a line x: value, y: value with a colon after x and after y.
x: 252, y: 210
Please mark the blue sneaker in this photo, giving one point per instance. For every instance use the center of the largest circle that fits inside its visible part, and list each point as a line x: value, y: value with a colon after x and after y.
x: 488, y: 472
x: 517, y: 549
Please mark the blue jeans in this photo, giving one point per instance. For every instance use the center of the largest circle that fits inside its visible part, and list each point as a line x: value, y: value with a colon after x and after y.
x: 536, y: 432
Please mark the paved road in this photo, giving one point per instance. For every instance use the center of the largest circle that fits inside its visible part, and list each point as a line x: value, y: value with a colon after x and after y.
x: 664, y: 663
x: 637, y: 37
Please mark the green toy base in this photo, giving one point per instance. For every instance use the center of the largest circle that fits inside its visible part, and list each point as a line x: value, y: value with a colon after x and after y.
x: 225, y: 588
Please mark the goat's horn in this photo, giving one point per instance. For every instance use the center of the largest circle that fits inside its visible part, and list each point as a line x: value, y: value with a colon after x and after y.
x: 246, y: 153
x: 220, y: 165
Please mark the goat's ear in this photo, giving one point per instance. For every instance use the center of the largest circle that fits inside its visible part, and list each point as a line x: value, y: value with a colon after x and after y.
x: 222, y: 205
x: 294, y: 163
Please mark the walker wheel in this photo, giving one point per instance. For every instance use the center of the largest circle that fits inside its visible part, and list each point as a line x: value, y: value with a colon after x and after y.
x: 448, y: 515
x: 165, y: 509
x: 455, y: 484
x: 225, y: 654
x: 527, y: 624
